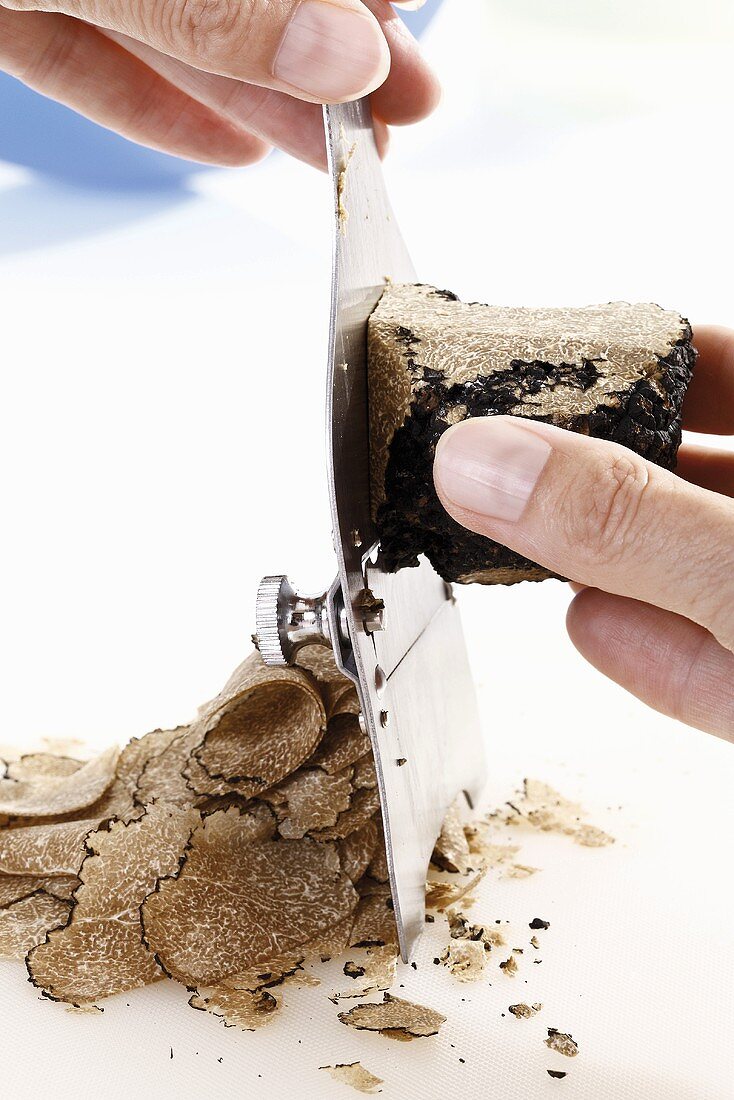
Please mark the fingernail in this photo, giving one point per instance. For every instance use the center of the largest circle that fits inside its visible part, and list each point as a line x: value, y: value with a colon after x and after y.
x: 332, y: 52
x: 490, y: 465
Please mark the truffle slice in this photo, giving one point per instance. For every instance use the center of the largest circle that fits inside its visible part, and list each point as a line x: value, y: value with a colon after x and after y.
x: 314, y: 799
x: 26, y: 922
x: 372, y: 970
x: 442, y: 895
x: 237, y: 1007
x: 615, y: 371
x: 263, y: 725
x: 49, y: 849
x: 100, y: 950
x: 356, y: 1076
x: 343, y: 744
x: 16, y: 887
x: 452, y: 852
x: 239, y: 900
x: 358, y: 850
x: 394, y: 1018
x: 374, y: 920
x: 52, y: 795
x: 42, y: 765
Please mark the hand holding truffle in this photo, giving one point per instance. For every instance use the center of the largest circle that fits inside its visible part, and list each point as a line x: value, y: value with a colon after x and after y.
x: 215, y: 81
x: 654, y: 550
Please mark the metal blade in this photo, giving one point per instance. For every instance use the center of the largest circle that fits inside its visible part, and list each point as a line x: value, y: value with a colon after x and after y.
x: 413, y: 676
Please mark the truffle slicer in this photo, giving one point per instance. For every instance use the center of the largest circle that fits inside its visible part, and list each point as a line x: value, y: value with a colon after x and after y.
x: 397, y: 636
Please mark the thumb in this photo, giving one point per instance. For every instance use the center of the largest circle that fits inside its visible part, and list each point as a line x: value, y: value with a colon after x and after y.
x: 594, y: 512
x: 318, y: 50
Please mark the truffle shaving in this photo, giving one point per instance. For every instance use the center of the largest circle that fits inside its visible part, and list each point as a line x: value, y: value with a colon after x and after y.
x: 237, y: 1007
x: 452, y: 852
x: 363, y: 805
x: 42, y: 765
x: 100, y: 951
x: 263, y: 725
x: 394, y: 1018
x: 343, y: 744
x: 25, y: 923
x: 373, y: 971
x: 357, y: 850
x: 60, y: 794
x: 237, y: 902
x: 356, y: 1076
x: 442, y: 895
x: 314, y: 800
x: 54, y: 848
x: 374, y: 920
x: 16, y: 887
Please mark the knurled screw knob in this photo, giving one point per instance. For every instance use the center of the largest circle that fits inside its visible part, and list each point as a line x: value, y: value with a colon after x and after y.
x: 286, y: 620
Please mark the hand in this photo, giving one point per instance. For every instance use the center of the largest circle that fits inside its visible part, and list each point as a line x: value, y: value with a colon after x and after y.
x: 219, y: 81
x: 655, y: 549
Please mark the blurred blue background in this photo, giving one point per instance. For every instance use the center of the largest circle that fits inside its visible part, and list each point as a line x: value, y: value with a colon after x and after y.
x: 42, y: 135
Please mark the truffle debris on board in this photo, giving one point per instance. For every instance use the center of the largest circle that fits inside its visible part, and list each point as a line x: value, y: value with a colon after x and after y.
x: 615, y: 371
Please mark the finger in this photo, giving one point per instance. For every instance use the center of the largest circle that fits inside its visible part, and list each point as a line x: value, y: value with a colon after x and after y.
x: 411, y: 91
x: 409, y: 5
x: 594, y: 512
x: 710, y: 468
x: 668, y: 662
x: 318, y: 50
x: 709, y: 403
x: 76, y: 65
x: 292, y: 125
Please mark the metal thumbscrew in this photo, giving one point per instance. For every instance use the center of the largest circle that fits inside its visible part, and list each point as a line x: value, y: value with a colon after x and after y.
x: 287, y: 620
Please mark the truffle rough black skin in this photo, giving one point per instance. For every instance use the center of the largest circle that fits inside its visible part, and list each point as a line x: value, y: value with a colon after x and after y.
x: 615, y: 371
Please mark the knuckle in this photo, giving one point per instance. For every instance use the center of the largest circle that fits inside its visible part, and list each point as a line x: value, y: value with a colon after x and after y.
x: 605, y: 525
x: 214, y: 28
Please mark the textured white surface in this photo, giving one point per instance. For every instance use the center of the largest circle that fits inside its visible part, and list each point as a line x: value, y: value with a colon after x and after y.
x: 153, y: 355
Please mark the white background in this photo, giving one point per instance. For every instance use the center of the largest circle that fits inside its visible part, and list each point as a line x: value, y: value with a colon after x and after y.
x: 161, y: 446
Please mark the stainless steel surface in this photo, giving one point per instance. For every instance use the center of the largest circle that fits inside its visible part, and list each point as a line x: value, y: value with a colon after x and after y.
x: 287, y: 620
x: 413, y: 676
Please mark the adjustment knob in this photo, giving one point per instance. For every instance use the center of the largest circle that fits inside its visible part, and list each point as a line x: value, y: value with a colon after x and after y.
x: 286, y: 621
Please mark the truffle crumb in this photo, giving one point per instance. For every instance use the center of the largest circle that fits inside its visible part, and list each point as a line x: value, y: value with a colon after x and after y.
x: 466, y: 959
x: 543, y: 808
x: 523, y: 1011
x: 509, y: 966
x: 562, y: 1043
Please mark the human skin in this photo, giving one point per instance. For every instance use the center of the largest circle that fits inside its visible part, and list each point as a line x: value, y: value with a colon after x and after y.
x: 651, y: 552
x: 219, y: 81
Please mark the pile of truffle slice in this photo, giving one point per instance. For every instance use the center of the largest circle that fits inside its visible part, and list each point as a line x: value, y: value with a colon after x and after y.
x: 221, y: 854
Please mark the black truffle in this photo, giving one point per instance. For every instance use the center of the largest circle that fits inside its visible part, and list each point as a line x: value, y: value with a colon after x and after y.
x: 615, y: 371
